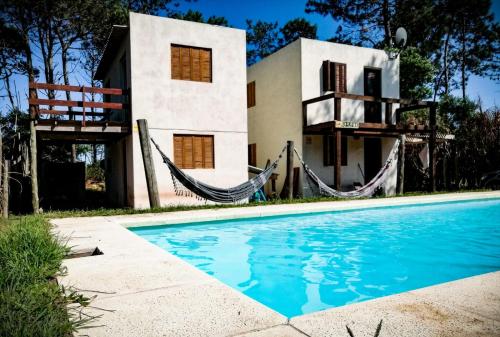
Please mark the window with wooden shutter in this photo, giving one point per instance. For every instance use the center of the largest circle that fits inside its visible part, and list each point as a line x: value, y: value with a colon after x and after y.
x: 251, y: 94
x: 191, y: 63
x: 194, y: 151
x: 329, y: 150
x: 252, y: 154
x: 334, y: 76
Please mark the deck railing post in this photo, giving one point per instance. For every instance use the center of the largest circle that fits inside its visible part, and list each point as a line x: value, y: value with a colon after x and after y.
x: 83, y: 106
x: 149, y: 168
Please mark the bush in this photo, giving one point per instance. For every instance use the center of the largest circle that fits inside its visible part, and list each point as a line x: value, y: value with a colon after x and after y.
x: 31, y: 301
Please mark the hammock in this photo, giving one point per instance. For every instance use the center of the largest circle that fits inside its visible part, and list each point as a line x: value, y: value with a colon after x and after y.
x: 204, y: 191
x: 364, y: 191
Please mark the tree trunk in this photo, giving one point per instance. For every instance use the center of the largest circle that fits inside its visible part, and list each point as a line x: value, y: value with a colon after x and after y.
x: 387, y: 23
x: 35, y: 202
x: 464, y: 58
x: 446, y: 66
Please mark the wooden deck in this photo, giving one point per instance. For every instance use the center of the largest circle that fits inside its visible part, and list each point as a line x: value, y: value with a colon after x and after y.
x: 80, y: 121
x: 390, y: 128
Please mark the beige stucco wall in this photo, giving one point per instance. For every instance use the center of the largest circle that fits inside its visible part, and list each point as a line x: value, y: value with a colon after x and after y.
x: 187, y: 107
x: 276, y: 116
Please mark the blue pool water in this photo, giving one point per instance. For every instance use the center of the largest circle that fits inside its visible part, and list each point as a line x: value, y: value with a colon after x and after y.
x: 304, y: 263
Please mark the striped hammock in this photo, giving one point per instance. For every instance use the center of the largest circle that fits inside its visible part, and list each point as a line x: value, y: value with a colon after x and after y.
x: 216, y: 194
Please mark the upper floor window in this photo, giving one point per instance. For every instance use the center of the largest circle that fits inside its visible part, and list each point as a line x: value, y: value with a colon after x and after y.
x: 251, y: 94
x: 334, y: 76
x: 191, y: 63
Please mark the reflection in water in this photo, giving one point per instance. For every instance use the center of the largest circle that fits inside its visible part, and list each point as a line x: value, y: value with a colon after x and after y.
x: 301, y: 264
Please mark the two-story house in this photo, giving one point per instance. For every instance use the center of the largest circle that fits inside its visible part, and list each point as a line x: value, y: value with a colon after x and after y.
x: 188, y: 80
x: 329, y: 99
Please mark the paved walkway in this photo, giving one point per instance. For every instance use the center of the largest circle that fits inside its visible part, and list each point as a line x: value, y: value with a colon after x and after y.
x: 143, y: 290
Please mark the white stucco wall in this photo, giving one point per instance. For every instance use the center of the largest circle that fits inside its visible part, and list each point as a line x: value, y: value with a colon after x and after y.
x: 188, y: 107
x: 314, y: 52
x: 276, y: 116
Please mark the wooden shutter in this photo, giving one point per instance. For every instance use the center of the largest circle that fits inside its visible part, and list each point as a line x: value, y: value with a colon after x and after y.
x: 185, y: 64
x: 208, y: 151
x: 176, y: 62
x: 251, y: 94
x: 195, y: 65
x: 198, y: 151
x: 252, y: 154
x: 194, y: 151
x: 206, y: 65
x: 340, y: 77
x: 178, y: 150
x: 327, y: 70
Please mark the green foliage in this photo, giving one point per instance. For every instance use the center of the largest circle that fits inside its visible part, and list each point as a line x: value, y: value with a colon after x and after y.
x: 31, y: 302
x: 95, y: 172
x: 262, y: 40
x: 455, y: 111
x: 416, y: 74
x: 197, y: 16
x: 296, y: 28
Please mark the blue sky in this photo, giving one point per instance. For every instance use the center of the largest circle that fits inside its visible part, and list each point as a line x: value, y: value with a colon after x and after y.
x: 237, y: 12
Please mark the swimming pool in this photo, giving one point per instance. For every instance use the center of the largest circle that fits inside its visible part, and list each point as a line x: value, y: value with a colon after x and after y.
x: 298, y: 264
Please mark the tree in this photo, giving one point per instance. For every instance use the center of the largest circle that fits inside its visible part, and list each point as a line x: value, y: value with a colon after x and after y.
x: 295, y: 29
x: 416, y: 75
x: 197, y: 16
x: 262, y: 40
x: 361, y: 22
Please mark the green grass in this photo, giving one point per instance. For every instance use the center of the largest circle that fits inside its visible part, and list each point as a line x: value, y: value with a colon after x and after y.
x: 31, y: 301
x: 129, y: 211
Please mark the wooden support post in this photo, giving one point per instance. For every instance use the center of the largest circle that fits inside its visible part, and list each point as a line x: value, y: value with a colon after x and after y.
x: 432, y: 148
x: 35, y: 201
x: 338, y: 147
x: 147, y: 158
x: 338, y: 159
x: 289, y: 169
x: 388, y: 113
x: 401, y: 164
x: 5, y: 189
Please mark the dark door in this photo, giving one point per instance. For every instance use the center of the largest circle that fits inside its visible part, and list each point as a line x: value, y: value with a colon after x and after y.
x: 373, y: 87
x: 373, y: 157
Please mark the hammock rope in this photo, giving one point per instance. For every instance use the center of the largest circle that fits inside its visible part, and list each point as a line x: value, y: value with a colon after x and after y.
x: 364, y: 191
x: 208, y: 192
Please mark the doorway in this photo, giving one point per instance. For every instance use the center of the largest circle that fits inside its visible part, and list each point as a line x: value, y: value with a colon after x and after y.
x: 373, y: 87
x: 372, y: 157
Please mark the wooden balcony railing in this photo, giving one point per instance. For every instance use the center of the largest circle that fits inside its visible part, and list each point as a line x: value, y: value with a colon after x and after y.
x: 406, y: 105
x: 84, y: 104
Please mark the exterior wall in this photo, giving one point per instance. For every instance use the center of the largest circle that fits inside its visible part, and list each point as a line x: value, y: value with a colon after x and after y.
x: 187, y: 107
x: 356, y: 59
x: 276, y: 116
x: 314, y: 52
x: 119, y: 161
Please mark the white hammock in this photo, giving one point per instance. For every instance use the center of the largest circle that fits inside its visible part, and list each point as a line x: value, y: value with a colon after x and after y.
x: 364, y: 191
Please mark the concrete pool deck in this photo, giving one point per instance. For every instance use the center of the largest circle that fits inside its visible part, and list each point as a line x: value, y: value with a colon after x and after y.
x: 143, y: 290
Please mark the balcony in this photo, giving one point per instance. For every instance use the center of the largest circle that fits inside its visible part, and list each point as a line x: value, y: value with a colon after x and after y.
x: 80, y: 121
